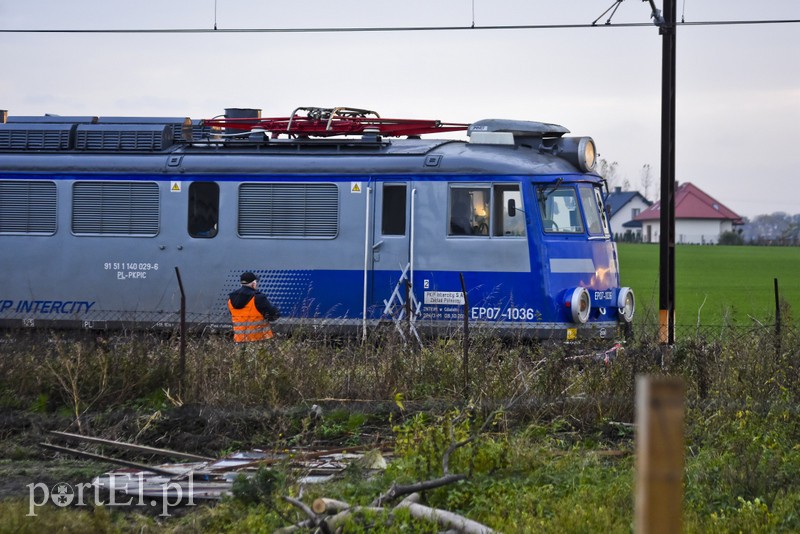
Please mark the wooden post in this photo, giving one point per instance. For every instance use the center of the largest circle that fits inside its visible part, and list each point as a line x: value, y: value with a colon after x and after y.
x: 777, y: 321
x: 659, y: 454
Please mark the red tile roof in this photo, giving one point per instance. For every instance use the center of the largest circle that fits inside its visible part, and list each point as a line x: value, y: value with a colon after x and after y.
x: 692, y: 203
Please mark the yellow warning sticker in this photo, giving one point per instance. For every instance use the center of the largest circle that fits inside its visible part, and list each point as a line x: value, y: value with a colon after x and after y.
x: 355, y: 187
x: 175, y: 187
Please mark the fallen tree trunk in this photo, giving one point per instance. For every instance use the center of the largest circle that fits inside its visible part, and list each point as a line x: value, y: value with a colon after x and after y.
x: 445, y: 518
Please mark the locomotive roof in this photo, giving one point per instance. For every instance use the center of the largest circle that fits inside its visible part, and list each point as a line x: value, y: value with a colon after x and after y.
x: 180, y: 145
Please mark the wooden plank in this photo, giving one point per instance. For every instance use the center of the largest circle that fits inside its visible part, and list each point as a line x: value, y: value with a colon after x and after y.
x: 133, y: 447
x: 100, y: 458
x: 659, y: 455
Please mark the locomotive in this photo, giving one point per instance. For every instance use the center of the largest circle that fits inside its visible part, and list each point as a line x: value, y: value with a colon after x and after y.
x: 349, y: 219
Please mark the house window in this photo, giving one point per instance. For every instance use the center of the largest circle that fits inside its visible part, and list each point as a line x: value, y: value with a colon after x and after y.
x: 635, y: 212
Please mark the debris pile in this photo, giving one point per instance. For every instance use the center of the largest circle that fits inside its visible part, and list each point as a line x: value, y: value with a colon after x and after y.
x: 204, y: 478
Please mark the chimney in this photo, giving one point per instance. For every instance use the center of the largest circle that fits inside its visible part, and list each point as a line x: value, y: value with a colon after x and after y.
x: 618, y: 189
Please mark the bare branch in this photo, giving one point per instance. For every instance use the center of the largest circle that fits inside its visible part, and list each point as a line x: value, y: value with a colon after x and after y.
x: 398, y: 491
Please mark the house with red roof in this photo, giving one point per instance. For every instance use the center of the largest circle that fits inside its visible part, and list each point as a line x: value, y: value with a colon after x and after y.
x: 699, y: 218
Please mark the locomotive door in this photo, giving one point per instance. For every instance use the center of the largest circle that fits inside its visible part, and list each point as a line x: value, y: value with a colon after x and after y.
x: 391, y: 267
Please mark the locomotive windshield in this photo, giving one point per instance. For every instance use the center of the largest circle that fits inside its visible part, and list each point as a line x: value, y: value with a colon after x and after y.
x: 559, y: 210
x: 561, y: 214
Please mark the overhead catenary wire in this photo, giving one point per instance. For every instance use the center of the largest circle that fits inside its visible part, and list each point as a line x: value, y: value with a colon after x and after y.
x: 368, y: 29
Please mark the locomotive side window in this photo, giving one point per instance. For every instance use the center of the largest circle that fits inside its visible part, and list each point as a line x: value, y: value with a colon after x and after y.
x: 558, y: 207
x: 288, y: 210
x: 508, y: 222
x: 483, y: 211
x: 28, y: 207
x: 469, y: 210
x: 393, y: 212
x: 203, y: 209
x: 115, y: 208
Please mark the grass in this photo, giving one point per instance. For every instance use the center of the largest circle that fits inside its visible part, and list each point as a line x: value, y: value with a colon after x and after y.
x: 720, y: 284
x: 558, y: 461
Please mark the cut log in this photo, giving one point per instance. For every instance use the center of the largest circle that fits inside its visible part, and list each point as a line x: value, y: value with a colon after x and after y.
x: 323, y: 505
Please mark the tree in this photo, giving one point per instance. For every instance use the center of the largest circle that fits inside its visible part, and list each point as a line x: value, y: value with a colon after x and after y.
x: 646, y: 180
x: 608, y: 171
x: 776, y: 228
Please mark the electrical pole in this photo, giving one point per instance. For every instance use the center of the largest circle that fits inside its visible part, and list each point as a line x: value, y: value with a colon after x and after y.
x: 667, y: 25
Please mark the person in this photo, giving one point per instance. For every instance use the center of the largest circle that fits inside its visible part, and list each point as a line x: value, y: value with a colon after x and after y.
x: 251, y: 311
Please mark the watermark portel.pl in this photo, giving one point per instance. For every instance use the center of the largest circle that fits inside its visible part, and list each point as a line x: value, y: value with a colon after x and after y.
x: 63, y: 494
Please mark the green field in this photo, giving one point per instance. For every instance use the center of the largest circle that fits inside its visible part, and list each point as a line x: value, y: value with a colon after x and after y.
x: 723, y: 284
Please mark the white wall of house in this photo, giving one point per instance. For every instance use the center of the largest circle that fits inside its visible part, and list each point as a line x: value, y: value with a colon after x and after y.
x: 628, y: 212
x: 689, y: 231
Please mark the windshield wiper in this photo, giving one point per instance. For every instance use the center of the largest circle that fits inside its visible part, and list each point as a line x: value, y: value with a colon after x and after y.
x: 546, y: 192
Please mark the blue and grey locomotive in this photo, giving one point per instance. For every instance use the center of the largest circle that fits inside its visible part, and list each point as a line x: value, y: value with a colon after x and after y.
x: 349, y: 219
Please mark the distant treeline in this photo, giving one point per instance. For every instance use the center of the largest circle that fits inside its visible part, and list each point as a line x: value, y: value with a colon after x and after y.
x: 777, y: 228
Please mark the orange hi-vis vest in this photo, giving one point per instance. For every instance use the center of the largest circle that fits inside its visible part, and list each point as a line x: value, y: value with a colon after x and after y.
x: 249, y: 324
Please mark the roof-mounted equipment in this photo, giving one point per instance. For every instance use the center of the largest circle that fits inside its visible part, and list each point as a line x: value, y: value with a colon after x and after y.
x: 329, y: 122
x: 544, y: 137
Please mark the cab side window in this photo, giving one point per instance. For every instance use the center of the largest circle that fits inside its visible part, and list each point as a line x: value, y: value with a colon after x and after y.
x: 508, y: 212
x: 591, y: 210
x: 469, y: 211
x: 486, y: 210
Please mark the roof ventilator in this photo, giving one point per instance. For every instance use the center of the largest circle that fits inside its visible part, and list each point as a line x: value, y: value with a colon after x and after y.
x: 544, y: 137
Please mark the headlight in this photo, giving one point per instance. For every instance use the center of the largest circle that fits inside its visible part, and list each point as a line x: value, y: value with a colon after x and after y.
x: 580, y: 305
x: 580, y: 151
x: 587, y: 153
x: 626, y: 303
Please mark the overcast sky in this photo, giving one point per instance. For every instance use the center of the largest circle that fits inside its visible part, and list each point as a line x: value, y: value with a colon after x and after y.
x: 738, y: 86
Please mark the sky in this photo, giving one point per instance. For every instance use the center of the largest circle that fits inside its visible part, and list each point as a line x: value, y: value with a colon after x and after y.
x: 737, y: 99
